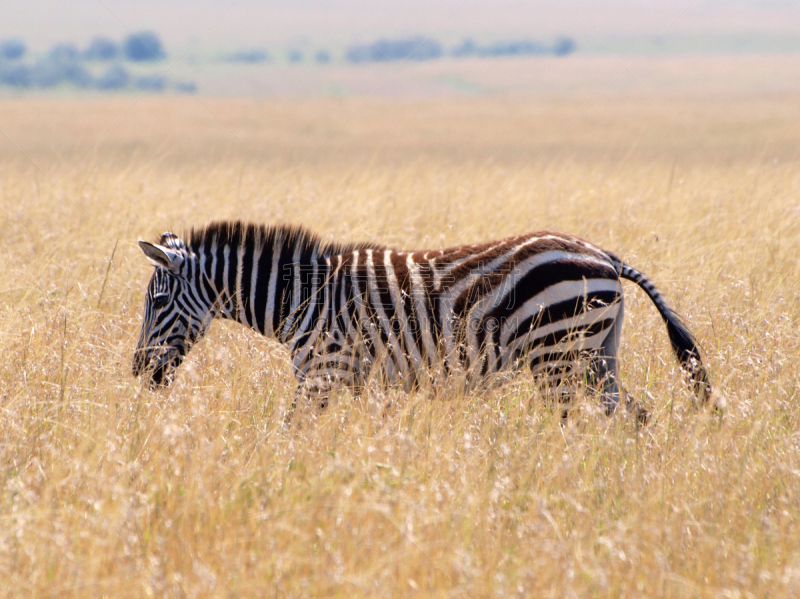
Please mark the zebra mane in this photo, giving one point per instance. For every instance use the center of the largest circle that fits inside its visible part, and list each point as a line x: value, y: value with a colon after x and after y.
x: 235, y: 233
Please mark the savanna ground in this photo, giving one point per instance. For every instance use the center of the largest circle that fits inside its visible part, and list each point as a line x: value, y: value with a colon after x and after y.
x: 111, y: 490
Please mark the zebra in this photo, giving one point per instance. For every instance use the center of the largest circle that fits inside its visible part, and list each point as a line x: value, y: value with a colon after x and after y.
x: 546, y: 300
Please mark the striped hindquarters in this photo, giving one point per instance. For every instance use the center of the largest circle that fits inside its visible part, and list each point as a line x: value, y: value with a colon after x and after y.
x: 539, y: 300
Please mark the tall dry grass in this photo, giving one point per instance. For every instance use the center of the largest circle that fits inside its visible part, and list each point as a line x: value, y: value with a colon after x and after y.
x: 109, y: 489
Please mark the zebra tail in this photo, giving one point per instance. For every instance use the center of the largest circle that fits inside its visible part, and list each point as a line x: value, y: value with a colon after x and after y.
x: 683, y: 342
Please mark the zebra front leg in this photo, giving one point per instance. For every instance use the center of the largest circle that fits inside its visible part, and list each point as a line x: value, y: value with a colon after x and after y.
x: 313, y: 391
x: 306, y: 394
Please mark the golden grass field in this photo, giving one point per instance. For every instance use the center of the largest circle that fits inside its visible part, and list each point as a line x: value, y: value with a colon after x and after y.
x: 200, y: 490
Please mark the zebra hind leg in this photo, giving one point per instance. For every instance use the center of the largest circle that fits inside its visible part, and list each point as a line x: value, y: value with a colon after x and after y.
x: 603, y: 379
x: 316, y: 392
x: 604, y: 374
x: 308, y: 393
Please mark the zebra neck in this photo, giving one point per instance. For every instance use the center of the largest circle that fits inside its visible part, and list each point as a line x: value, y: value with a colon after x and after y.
x: 268, y: 288
x: 300, y: 298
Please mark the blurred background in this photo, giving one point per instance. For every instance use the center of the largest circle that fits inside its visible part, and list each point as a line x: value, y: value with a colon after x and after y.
x: 414, y: 48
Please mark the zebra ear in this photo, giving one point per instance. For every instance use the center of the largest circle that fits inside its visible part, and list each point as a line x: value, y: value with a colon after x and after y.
x: 162, y: 256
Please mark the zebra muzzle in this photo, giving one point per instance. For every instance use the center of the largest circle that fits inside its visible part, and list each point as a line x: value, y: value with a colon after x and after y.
x: 161, y: 369
x: 164, y: 372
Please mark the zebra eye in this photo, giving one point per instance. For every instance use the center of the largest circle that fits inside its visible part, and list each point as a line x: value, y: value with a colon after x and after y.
x: 160, y: 300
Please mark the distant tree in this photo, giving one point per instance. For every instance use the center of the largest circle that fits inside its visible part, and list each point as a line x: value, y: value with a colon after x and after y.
x: 415, y: 48
x: 294, y: 56
x: 17, y: 75
x: 322, y: 57
x: 186, y: 87
x: 248, y: 56
x: 466, y: 48
x: 78, y: 75
x: 143, y: 46
x: 64, y: 53
x: 513, y: 48
x: 358, y: 53
x: 47, y: 73
x: 101, y: 48
x: 564, y: 46
x: 116, y: 77
x: 151, y: 83
x: 61, y: 65
x: 12, y: 49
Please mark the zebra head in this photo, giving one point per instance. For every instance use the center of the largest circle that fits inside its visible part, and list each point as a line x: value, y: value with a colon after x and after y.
x: 174, y: 315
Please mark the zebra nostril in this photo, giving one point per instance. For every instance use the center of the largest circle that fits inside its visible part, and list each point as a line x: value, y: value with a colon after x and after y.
x: 158, y: 377
x: 163, y: 374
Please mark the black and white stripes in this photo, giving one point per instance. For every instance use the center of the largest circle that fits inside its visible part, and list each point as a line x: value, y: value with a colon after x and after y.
x: 547, y: 300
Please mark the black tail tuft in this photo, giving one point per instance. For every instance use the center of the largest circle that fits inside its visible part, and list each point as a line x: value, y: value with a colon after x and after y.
x: 688, y: 353
x: 683, y: 342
